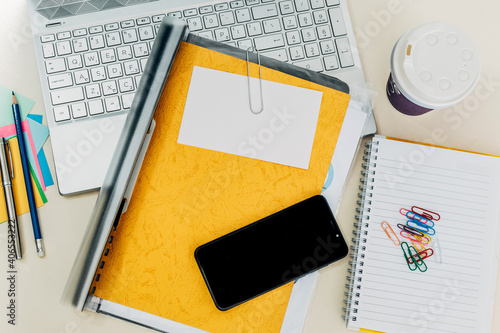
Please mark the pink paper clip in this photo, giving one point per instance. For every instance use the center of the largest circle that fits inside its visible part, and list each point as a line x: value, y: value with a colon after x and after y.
x: 426, y: 213
x: 415, y: 238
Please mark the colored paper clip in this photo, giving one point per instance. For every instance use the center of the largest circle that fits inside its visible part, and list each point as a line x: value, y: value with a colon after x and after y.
x: 410, y: 252
x: 390, y: 233
x: 251, y: 48
x: 426, y: 213
x: 414, y: 216
x: 418, y: 246
x: 420, y: 226
x: 415, y: 238
x: 410, y: 230
x: 426, y: 253
x: 404, y: 211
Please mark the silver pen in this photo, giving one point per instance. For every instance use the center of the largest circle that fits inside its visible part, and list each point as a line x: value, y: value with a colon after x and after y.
x: 7, y: 172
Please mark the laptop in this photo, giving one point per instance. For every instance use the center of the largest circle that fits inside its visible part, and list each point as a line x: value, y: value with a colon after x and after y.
x: 91, y: 55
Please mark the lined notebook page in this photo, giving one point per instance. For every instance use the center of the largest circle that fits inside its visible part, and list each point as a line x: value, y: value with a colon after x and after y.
x: 456, y: 292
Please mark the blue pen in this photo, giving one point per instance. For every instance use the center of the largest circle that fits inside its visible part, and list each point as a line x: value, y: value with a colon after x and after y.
x: 27, y: 177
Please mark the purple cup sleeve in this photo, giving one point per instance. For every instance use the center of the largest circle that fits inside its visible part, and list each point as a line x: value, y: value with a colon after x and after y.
x: 400, y: 102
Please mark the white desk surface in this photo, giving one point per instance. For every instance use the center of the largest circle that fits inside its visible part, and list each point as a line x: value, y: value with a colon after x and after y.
x: 472, y: 126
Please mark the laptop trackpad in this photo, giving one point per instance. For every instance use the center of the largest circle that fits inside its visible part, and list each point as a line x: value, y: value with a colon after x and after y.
x: 83, y: 150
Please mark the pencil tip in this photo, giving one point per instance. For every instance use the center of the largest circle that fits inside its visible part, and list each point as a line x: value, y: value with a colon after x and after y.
x: 13, y: 94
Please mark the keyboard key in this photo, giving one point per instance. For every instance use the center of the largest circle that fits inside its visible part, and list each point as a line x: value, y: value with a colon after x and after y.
x: 175, y: 14
x: 47, y: 38
x: 129, y: 36
x: 269, y: 42
x: 55, y: 65
x: 79, y: 110
x: 108, y: 56
x: 243, y: 15
x: 131, y: 67
x: 344, y: 52
x: 66, y: 96
x: 96, y: 42
x: 93, y: 91
x: 112, y: 104
x: 91, y: 59
x: 127, y: 100
x: 290, y: 22
x: 252, y: 2
x: 63, y: 48
x: 264, y: 11
x: 98, y: 74
x: 254, y: 29
x: 320, y: 17
x: 312, y: 50
x: 221, y: 6
x: 141, y: 50
x: 206, y: 34
x: 312, y: 64
x: 80, y: 45
x: 236, y: 4
x: 124, y: 52
x: 308, y: 34
x: 82, y: 76
x: 331, y: 62
x: 127, y: 24
x: 75, y: 62
x: 115, y: 71
x: 96, y: 29
x: 64, y: 35
x: 293, y: 37
x: 206, y: 10
x: 48, y: 50
x: 226, y: 18
x: 126, y: 84
x: 271, y: 26
x: 286, y: 7
x: 158, y: 18
x: 337, y: 21
x: 137, y: 80
x: 143, y: 63
x: 244, y: 44
x: 194, y: 24
x: 146, y: 33
x: 301, y: 5
x: 61, y: 113
x: 324, y: 32
x: 238, y: 31
x: 79, y: 32
x: 210, y: 21
x: 222, y: 35
x: 109, y: 88
x: 327, y: 47
x: 143, y: 21
x: 297, y: 52
x: 332, y: 2
x: 190, y: 12
x: 113, y: 38
x: 315, y: 4
x: 305, y: 19
x: 95, y: 107
x: 276, y: 54
x: 111, y: 26
x: 60, y: 81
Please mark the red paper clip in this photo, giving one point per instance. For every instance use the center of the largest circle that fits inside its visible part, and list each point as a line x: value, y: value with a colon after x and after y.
x: 390, y: 233
x: 426, y: 213
x: 423, y: 254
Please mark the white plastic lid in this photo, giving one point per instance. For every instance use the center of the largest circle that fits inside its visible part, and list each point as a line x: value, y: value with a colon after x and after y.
x: 435, y: 65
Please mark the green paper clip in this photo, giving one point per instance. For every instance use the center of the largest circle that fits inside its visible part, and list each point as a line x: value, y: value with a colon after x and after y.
x: 413, y: 258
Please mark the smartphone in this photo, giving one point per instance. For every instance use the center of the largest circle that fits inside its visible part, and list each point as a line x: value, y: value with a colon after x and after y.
x: 271, y: 252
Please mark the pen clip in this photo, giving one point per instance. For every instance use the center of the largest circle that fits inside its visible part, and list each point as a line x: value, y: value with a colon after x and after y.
x: 11, y: 166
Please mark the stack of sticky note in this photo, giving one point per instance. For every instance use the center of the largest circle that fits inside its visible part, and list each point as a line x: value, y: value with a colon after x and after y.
x: 35, y: 135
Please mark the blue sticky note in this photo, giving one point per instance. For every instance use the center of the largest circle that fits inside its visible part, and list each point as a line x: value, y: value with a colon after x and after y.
x: 44, y: 167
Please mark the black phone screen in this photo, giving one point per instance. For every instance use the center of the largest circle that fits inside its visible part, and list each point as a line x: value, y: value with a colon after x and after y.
x: 270, y: 252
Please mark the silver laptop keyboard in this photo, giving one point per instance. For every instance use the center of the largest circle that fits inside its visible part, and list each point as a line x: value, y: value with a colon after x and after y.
x: 96, y: 70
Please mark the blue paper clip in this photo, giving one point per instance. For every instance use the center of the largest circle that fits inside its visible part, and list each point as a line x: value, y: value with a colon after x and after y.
x: 422, y: 227
x: 414, y: 216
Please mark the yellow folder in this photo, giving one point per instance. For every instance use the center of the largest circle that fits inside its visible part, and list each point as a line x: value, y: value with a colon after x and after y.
x: 186, y: 196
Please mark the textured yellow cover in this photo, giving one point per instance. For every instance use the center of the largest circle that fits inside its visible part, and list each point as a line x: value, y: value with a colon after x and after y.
x: 186, y: 196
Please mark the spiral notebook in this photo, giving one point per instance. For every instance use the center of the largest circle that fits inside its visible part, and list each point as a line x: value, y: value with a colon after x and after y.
x: 442, y: 204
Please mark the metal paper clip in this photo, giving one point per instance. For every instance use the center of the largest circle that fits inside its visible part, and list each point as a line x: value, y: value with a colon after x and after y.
x: 426, y: 213
x: 390, y: 233
x: 420, y: 226
x: 251, y: 48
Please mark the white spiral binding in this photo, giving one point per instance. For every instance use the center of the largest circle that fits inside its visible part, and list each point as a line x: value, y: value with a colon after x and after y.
x: 361, y: 228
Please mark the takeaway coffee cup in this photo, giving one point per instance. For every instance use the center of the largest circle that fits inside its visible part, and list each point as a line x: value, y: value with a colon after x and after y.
x: 433, y: 66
